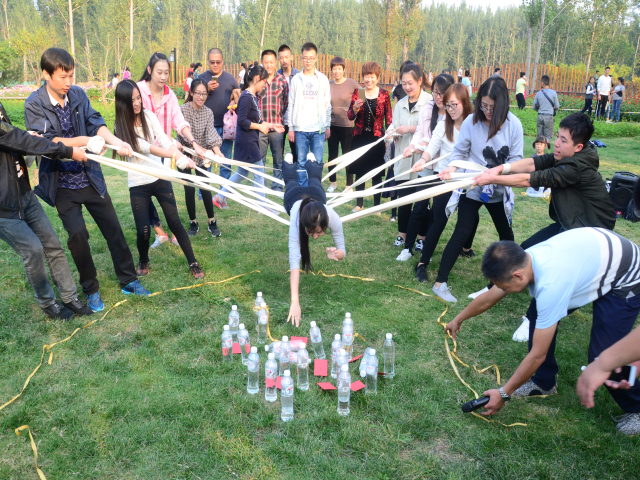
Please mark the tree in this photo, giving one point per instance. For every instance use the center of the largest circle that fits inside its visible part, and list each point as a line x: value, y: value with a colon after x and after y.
x: 537, y: 60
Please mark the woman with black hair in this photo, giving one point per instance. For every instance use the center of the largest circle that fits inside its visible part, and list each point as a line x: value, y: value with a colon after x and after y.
x: 310, y: 217
x: 589, y: 92
x: 492, y: 136
x: 141, y: 129
x: 201, y: 120
x: 250, y: 123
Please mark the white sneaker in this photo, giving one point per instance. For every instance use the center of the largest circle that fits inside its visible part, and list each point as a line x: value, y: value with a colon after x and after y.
x: 475, y: 295
x: 159, y: 241
x: 404, y: 255
x: 174, y: 240
x: 331, y: 189
x: 444, y: 293
x: 522, y: 333
x: 399, y: 241
x: 534, y: 192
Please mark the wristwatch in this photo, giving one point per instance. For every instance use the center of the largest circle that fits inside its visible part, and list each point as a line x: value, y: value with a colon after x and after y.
x: 505, y: 397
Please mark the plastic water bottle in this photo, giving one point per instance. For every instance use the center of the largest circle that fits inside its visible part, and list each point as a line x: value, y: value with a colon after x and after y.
x: 344, y: 390
x: 316, y: 341
x: 343, y: 358
x: 363, y: 361
x: 347, y: 335
x: 389, y: 354
x: 285, y: 355
x: 253, y: 365
x: 259, y: 300
x: 303, y: 369
x: 263, y: 321
x: 227, y: 345
x: 372, y: 373
x: 286, y: 396
x: 234, y: 320
x: 271, y: 372
x: 245, y: 345
x: 336, y: 345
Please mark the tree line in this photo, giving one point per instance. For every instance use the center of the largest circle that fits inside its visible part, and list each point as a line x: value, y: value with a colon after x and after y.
x: 107, y: 35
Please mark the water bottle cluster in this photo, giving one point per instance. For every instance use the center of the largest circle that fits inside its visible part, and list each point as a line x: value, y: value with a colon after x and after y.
x: 285, y: 355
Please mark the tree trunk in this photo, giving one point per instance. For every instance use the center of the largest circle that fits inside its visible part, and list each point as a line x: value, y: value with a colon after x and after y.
x: 264, y: 24
x: 72, y: 40
x: 131, y: 24
x: 6, y: 19
x: 593, y: 35
x: 537, y: 60
x: 387, y: 46
x: 635, y: 55
x: 528, y: 69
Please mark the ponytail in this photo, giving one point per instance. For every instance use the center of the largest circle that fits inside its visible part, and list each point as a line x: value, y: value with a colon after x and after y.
x: 252, y: 72
x: 312, y: 214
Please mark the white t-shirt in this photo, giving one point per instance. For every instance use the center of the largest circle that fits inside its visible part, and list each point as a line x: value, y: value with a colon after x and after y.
x: 604, y: 85
x: 310, y: 94
x: 460, y: 73
x: 114, y: 81
x: 241, y: 75
x: 440, y: 143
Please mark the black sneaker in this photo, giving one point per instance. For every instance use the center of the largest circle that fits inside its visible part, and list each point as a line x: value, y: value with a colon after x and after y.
x: 213, y: 229
x: 419, y: 244
x: 143, y: 269
x: 399, y: 242
x: 57, y: 310
x: 468, y: 254
x: 193, y: 229
x: 196, y: 271
x: 421, y: 273
x: 79, y: 308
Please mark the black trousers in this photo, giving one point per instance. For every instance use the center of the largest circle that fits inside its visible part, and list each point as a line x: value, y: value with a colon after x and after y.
x: 294, y: 192
x: 404, y: 212
x: 588, y: 105
x: 140, y: 198
x: 375, y: 180
x: 437, y: 226
x: 468, y: 217
x: 340, y: 136
x: 521, y: 101
x: 69, y: 204
x: 292, y: 145
x: 602, y: 109
x: 419, y: 220
x: 190, y: 198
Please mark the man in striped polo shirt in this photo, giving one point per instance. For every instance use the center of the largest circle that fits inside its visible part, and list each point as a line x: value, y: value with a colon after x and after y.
x: 566, y: 272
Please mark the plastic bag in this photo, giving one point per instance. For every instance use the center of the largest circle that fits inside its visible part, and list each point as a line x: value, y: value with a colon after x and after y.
x: 230, y: 124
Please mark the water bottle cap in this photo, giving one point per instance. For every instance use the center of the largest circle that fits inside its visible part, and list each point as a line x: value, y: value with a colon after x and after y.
x: 363, y: 373
x: 241, y: 326
x: 226, y: 327
x: 272, y: 356
x: 234, y: 307
x: 287, y: 373
x: 313, y: 324
x: 345, y: 368
x: 259, y: 294
x: 389, y: 336
x: 337, y: 336
x: 254, y: 349
x: 347, y: 315
x: 285, y: 338
x: 372, y: 352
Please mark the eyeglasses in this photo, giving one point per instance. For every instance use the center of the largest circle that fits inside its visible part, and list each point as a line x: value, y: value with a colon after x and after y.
x: 202, y: 95
x: 308, y: 59
x: 438, y: 94
x: 215, y: 62
x: 451, y: 106
x: 486, y: 108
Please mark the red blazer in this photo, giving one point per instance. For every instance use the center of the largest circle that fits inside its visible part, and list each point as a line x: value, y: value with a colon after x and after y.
x: 383, y: 113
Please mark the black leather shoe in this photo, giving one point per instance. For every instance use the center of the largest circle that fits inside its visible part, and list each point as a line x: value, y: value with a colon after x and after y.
x: 57, y: 310
x: 79, y: 308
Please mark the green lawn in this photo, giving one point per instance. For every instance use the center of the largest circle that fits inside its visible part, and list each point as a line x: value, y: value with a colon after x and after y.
x: 143, y: 394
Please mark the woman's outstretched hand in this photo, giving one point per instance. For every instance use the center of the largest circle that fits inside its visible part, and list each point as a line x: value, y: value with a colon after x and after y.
x: 295, y: 313
x: 332, y: 253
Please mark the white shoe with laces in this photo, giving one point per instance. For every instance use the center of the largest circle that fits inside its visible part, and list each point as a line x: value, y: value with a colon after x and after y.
x: 159, y: 241
x: 475, y: 295
x: 444, y: 292
x: 629, y: 423
x: 331, y: 189
x: 522, y: 333
x: 404, y: 255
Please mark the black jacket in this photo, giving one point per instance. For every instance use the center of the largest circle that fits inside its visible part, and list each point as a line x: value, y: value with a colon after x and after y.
x: 14, y: 143
x: 40, y: 116
x: 579, y: 197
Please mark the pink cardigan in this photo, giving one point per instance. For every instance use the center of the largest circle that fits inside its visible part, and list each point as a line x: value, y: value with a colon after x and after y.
x: 422, y: 133
x: 168, y: 112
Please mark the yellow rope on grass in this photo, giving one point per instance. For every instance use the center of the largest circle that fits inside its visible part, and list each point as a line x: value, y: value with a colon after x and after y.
x: 33, y: 447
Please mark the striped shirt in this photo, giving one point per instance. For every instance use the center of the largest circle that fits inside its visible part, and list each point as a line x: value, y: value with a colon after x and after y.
x: 580, y: 266
x: 274, y: 98
x: 202, y: 129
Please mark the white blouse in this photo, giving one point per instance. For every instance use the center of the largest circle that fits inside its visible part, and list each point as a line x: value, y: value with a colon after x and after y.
x: 441, y: 146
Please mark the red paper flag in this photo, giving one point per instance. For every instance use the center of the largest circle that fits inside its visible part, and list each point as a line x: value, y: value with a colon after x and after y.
x: 320, y: 368
x: 355, y: 386
x: 302, y: 339
x: 236, y: 348
x: 326, y: 386
x: 278, y: 381
x: 356, y: 358
x: 270, y: 382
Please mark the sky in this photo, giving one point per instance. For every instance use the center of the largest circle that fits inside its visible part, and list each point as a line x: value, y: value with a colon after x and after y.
x: 495, y: 4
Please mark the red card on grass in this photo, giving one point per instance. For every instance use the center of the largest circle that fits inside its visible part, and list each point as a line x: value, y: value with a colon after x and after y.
x: 356, y: 358
x: 302, y: 339
x: 355, y: 386
x: 270, y: 382
x: 236, y: 348
x: 278, y: 380
x: 326, y: 386
x: 320, y: 368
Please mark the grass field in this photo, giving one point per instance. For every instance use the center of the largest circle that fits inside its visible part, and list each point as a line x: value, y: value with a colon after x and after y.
x: 143, y: 394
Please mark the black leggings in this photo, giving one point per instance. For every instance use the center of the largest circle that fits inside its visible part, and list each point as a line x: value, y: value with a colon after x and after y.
x: 521, y: 101
x: 404, y: 212
x: 588, y: 105
x: 439, y: 221
x: 340, y: 136
x: 468, y: 217
x: 294, y: 192
x: 190, y: 197
x: 376, y: 180
x: 419, y: 220
x: 140, y: 200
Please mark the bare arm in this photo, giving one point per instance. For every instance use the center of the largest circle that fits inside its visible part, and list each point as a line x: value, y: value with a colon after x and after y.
x: 295, y: 312
x: 72, y: 142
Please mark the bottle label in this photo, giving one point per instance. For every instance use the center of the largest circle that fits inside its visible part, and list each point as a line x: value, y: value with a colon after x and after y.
x: 371, y: 370
x: 242, y: 341
x: 348, y: 337
x: 228, y: 343
x: 288, y: 391
x: 247, y: 347
x: 251, y: 365
x: 269, y: 373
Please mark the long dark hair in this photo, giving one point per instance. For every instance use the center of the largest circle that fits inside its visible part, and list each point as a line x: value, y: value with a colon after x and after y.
x: 496, y: 89
x: 126, y: 117
x: 462, y: 93
x: 415, y: 71
x: 443, y: 82
x: 254, y: 71
x: 192, y: 88
x: 312, y: 214
x: 155, y: 58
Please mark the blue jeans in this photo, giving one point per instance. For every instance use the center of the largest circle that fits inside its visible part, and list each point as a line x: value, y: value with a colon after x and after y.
x: 241, y: 172
x: 308, y: 142
x: 615, y: 110
x: 35, y: 240
x: 226, y: 148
